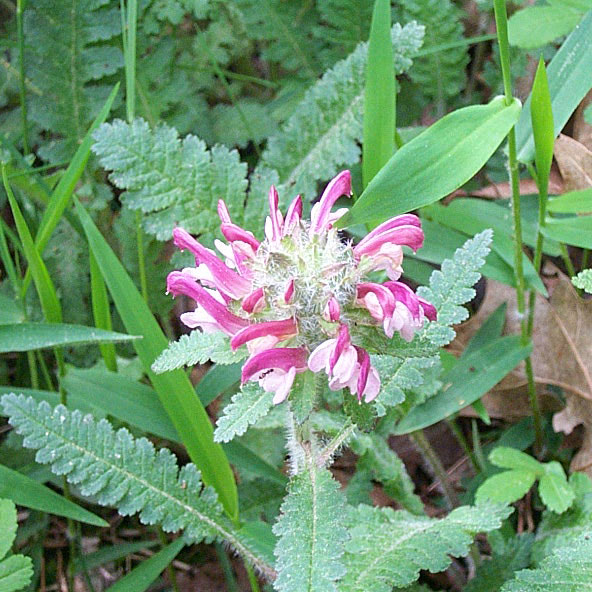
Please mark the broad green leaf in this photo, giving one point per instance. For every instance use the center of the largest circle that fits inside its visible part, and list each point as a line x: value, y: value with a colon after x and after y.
x: 142, y: 576
x: 554, y: 489
x: 244, y: 458
x: 574, y: 202
x: 50, y: 304
x: 389, y: 548
x: 542, y: 125
x: 435, y: 163
x: 510, y: 458
x: 259, y: 535
x: 10, y: 312
x: 245, y: 408
x: 468, y: 380
x: 491, y: 329
x: 174, y: 389
x: 197, y: 348
x: 570, y: 78
x: 538, y: 25
x: 506, y: 487
x: 569, y: 569
x: 576, y: 230
x: 311, y: 534
x: 379, y: 94
x: 24, y: 491
x: 30, y: 336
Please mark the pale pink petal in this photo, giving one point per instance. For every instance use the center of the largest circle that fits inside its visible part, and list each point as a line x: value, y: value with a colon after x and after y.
x: 408, y: 235
x: 273, y: 230
x: 332, y: 310
x: 293, y: 216
x: 283, y: 390
x: 372, y: 385
x: 404, y: 220
x: 346, y: 364
x: 319, y: 358
x: 254, y: 302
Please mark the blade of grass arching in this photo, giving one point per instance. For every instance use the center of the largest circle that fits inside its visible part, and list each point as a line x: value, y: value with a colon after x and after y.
x: 101, y: 312
x: 379, y: 94
x: 173, y: 388
x: 45, y: 288
x: 24, y: 491
x: 142, y: 576
x: 65, y: 188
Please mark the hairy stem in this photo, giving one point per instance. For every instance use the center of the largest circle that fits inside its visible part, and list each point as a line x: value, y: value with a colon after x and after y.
x: 326, y: 454
x: 20, y: 7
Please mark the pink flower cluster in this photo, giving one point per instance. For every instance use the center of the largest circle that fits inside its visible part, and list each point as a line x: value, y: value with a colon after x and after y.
x: 296, y: 298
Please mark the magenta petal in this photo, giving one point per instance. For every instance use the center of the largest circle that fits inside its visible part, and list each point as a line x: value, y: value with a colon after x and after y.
x: 343, y: 341
x: 250, y: 303
x: 429, y: 310
x: 384, y: 296
x: 332, y: 310
x: 293, y: 215
x: 283, y: 358
x: 289, y: 292
x: 409, y: 235
x: 319, y: 218
x: 225, y: 279
x: 280, y: 329
x: 223, y: 212
x: 406, y: 295
x: 404, y: 220
x: 275, y: 215
x: 180, y: 283
x: 364, y: 361
x: 232, y: 232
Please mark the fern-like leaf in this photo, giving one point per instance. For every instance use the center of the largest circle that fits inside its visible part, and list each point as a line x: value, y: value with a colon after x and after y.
x: 452, y: 286
x: 583, y: 280
x: 324, y: 131
x: 389, y: 548
x: 67, y: 55
x: 311, y: 533
x: 569, y: 569
x: 197, y: 348
x: 172, y: 182
x: 245, y: 408
x: 118, y: 470
x: 441, y: 74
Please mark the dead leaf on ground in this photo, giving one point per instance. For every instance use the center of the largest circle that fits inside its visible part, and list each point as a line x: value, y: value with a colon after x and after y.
x: 582, y: 130
x: 562, y: 356
x: 575, y: 163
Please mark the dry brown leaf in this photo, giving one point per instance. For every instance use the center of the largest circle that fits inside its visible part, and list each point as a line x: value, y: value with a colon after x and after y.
x: 582, y: 130
x: 562, y: 356
x: 575, y: 163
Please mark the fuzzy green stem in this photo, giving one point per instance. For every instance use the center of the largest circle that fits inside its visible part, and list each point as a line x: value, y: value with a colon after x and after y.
x: 326, y: 454
x: 433, y: 461
x: 569, y: 266
x: 252, y: 578
x: 33, y: 373
x: 231, y: 584
x: 20, y: 7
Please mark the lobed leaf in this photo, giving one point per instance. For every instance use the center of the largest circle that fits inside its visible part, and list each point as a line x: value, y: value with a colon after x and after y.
x: 311, y: 534
x: 389, y: 548
x: 197, y: 348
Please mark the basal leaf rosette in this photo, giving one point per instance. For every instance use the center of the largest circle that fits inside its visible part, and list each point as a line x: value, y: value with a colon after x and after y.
x: 298, y: 298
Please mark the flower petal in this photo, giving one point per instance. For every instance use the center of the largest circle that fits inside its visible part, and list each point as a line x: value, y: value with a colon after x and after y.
x: 319, y: 217
x: 283, y: 358
x: 280, y: 329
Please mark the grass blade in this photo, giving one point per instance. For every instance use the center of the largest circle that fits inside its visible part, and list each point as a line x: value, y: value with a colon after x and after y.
x: 379, y: 94
x: 24, y: 491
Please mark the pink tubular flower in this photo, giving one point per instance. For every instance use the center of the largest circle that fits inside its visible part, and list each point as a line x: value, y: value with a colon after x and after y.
x: 275, y: 369
x: 297, y: 298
